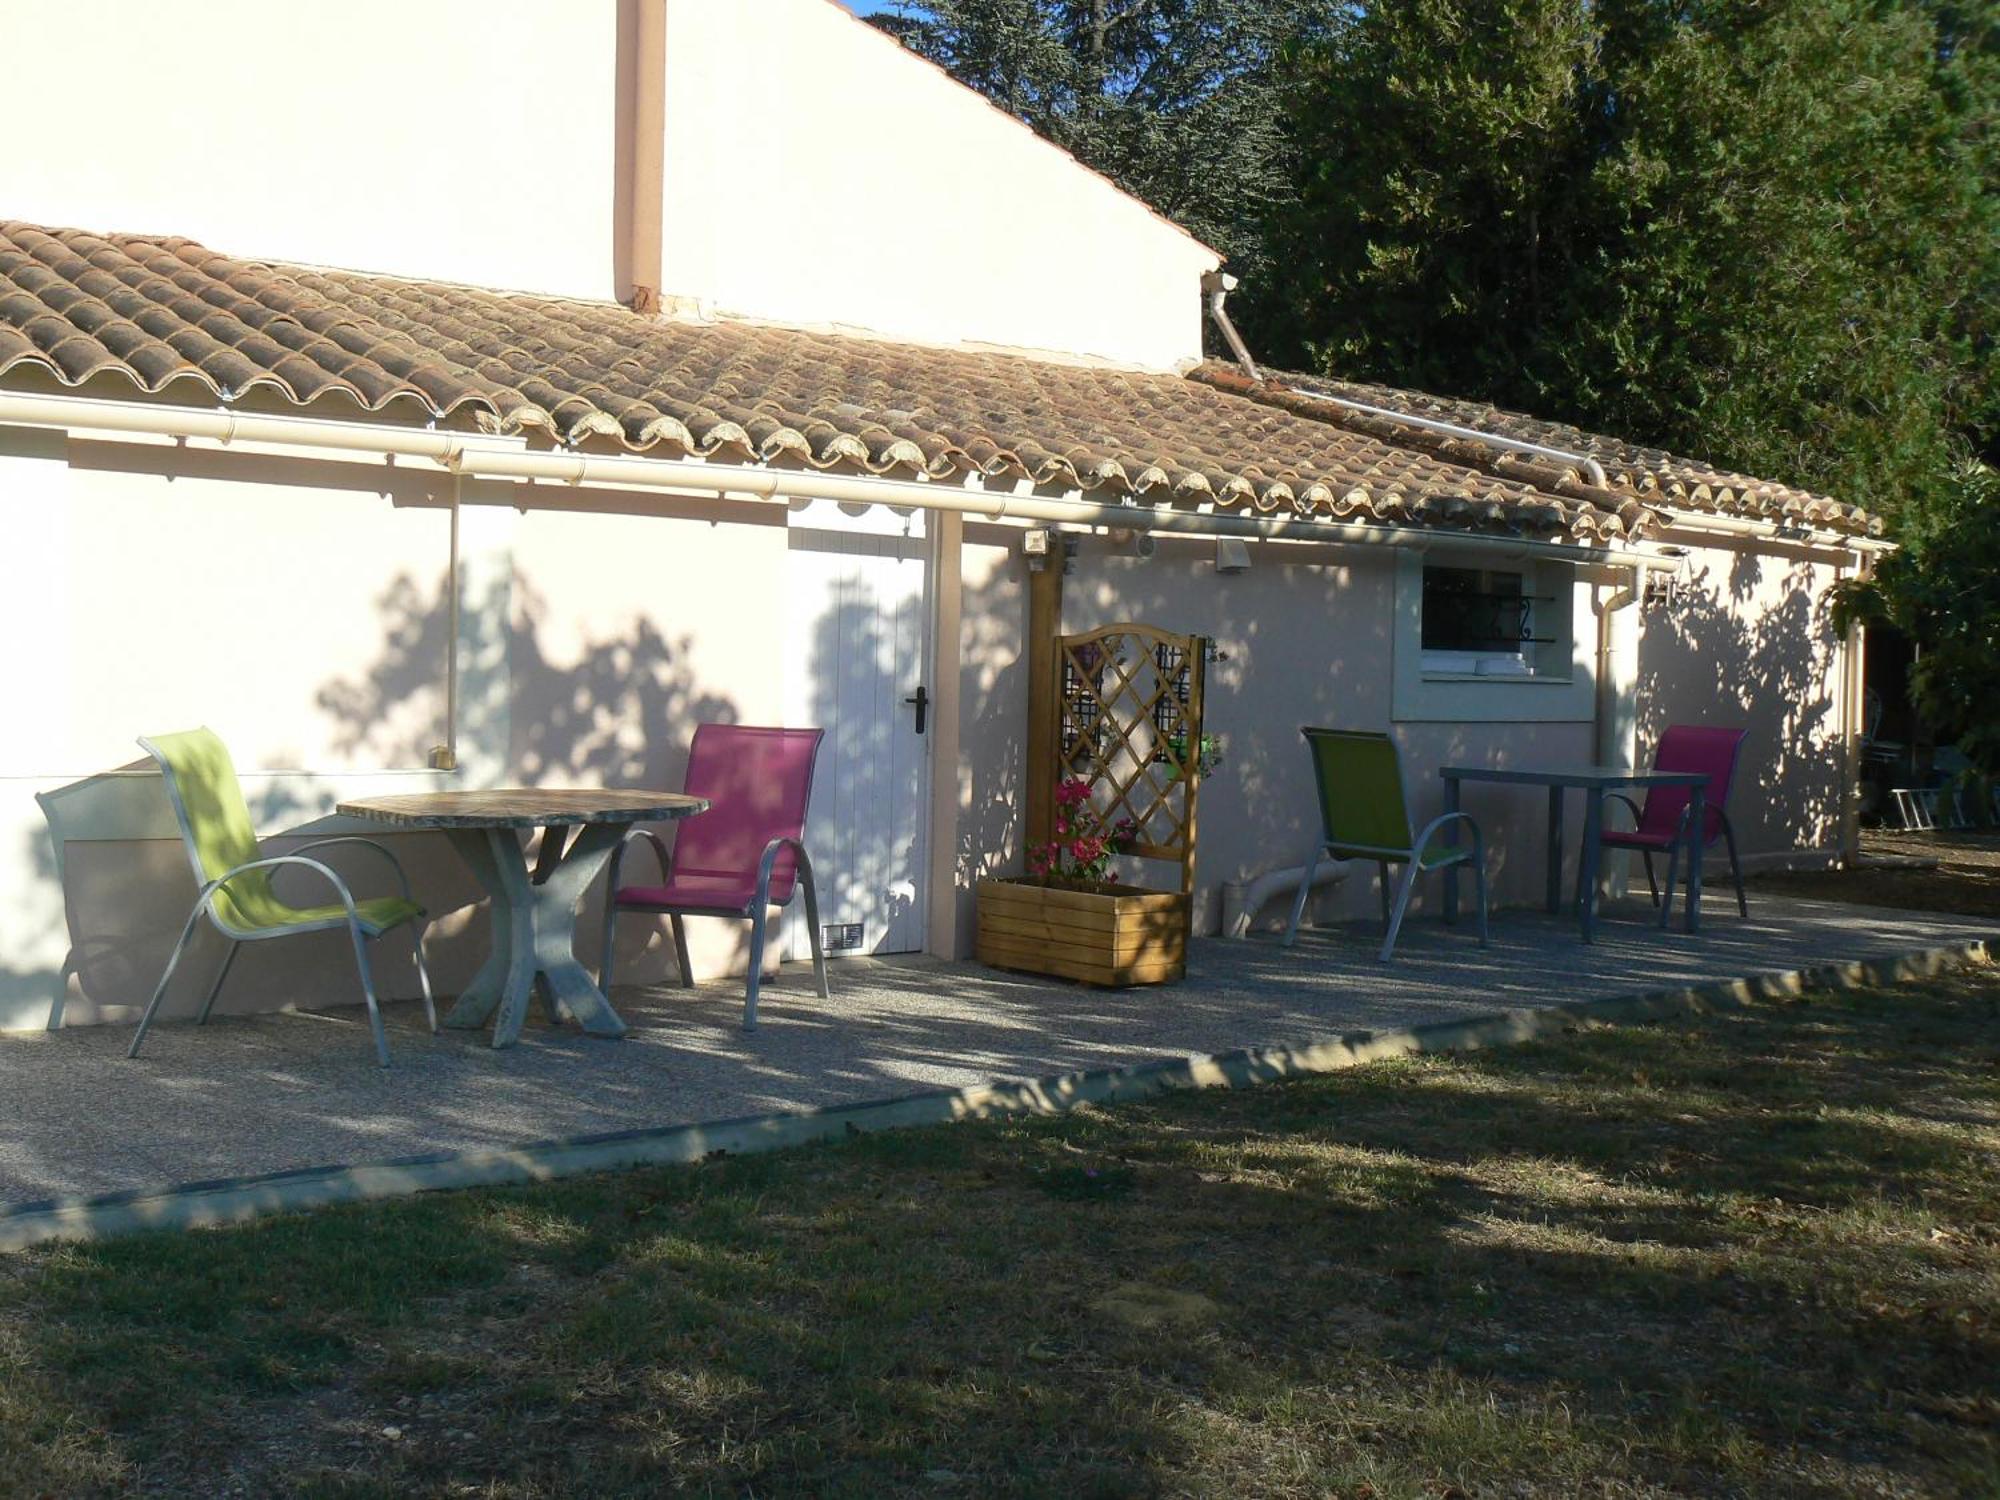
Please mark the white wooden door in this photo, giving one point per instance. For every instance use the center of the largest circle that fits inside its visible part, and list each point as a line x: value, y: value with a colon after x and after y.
x: 858, y: 591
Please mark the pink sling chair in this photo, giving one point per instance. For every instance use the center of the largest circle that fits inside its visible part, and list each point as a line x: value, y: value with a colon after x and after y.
x: 1662, y: 822
x: 742, y: 857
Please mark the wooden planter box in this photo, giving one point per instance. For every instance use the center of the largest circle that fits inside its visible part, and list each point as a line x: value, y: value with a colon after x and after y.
x: 1108, y: 935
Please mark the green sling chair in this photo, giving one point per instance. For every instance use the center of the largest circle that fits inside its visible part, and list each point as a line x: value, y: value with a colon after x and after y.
x: 236, y: 892
x: 1363, y: 815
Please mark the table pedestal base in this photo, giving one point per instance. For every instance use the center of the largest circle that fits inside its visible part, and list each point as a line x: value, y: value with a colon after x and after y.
x: 534, y: 931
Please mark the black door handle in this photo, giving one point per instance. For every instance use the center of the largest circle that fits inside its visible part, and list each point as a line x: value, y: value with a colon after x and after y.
x: 922, y: 700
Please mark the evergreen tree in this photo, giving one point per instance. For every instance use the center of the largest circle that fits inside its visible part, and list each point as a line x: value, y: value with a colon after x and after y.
x: 1760, y: 231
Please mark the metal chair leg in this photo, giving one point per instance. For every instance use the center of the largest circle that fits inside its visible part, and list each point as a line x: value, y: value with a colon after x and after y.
x: 1673, y: 868
x: 228, y: 959
x: 1652, y: 885
x: 681, y: 951
x: 160, y: 989
x: 1479, y: 879
x: 417, y: 931
x: 1382, y: 885
x: 756, y: 979
x: 1305, y: 890
x: 368, y: 993
x: 813, y: 932
x: 1404, y: 888
x: 1735, y: 865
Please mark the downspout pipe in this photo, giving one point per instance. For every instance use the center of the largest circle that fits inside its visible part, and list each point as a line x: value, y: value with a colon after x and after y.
x: 1592, y: 469
x: 1606, y: 704
x: 1216, y: 286
x: 481, y: 458
x: 445, y: 757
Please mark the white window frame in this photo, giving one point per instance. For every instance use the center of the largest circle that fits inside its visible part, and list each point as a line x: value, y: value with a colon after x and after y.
x: 1547, y: 683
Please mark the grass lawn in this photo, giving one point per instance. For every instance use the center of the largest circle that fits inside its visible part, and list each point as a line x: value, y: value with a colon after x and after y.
x: 1757, y: 1256
x: 1961, y: 873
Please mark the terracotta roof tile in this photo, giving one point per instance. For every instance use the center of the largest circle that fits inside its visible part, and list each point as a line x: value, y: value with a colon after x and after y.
x: 161, y: 311
x: 1637, y: 479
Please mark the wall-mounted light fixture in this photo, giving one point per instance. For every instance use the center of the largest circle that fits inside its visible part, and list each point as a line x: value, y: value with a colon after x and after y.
x: 1035, y: 547
x: 1666, y: 590
x: 1232, y: 555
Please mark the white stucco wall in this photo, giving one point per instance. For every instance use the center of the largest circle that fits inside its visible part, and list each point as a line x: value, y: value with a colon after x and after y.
x: 1750, y: 643
x: 1308, y: 638
x: 299, y: 608
x: 817, y: 172
x: 466, y: 140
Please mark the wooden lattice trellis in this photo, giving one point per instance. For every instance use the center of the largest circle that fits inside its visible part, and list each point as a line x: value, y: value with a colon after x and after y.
x: 1128, y: 722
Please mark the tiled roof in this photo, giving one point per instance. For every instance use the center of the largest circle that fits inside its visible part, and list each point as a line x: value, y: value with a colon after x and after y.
x: 1648, y: 475
x: 159, y: 312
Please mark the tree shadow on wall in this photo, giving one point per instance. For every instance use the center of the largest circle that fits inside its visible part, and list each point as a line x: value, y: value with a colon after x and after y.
x: 1713, y: 655
x: 868, y: 818
x: 993, y: 707
x: 619, y: 712
x: 1258, y: 809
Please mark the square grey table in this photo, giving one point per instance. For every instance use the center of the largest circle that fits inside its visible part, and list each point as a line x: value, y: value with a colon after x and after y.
x: 1594, y: 782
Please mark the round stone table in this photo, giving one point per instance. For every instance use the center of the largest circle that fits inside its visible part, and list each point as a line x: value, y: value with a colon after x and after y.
x: 534, y: 914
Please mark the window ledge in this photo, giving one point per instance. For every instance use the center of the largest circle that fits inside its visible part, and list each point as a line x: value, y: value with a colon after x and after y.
x: 1511, y: 679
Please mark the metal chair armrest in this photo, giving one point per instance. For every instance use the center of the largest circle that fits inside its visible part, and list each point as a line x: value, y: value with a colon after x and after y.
x: 770, y: 858
x: 1622, y: 797
x: 207, y: 896
x: 660, y: 853
x: 402, y: 879
x: 1423, y: 838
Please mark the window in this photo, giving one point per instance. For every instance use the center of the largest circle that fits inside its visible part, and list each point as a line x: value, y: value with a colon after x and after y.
x: 1480, y: 637
x: 1481, y: 621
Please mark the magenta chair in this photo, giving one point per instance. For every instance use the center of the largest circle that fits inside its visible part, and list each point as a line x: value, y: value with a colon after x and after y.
x: 743, y: 856
x: 1662, y: 822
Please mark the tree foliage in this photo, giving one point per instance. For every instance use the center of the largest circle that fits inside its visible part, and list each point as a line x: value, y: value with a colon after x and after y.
x: 1175, y: 100
x: 1942, y: 588
x: 1762, y: 231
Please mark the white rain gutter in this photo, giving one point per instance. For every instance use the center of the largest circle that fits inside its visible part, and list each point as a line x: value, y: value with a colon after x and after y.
x: 1697, y: 523
x: 1590, y: 466
x: 470, y: 455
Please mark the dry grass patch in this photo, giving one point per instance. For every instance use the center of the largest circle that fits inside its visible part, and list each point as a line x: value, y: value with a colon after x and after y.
x: 1756, y: 1256
x: 1964, y: 878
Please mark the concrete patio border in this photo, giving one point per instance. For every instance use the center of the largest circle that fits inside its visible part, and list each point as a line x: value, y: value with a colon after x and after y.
x: 237, y: 1199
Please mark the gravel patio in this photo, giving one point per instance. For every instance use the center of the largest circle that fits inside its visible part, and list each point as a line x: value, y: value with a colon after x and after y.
x: 292, y: 1090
